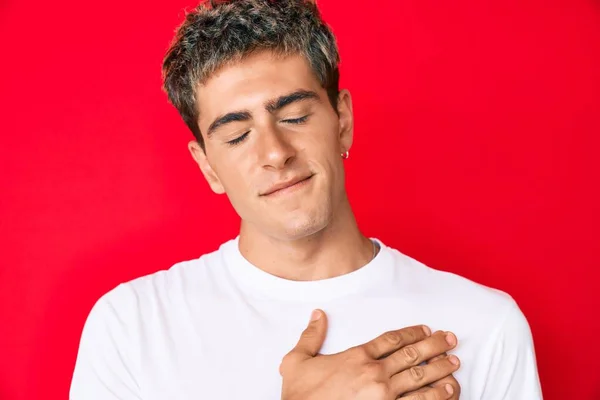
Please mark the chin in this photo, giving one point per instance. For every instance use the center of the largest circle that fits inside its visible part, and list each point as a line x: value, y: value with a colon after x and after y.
x: 298, y: 228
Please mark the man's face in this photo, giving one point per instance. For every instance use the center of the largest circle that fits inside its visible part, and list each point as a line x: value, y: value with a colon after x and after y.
x: 273, y: 143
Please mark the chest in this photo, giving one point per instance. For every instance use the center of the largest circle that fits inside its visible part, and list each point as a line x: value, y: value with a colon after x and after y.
x: 235, y: 351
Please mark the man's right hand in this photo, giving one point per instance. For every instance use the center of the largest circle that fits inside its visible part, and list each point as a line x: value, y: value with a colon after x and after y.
x: 382, y: 369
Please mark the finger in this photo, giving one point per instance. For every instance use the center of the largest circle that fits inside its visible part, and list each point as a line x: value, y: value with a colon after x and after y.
x: 391, y: 341
x: 443, y: 355
x: 312, y: 337
x: 415, y: 354
x: 449, y: 380
x: 431, y: 393
x: 419, y: 376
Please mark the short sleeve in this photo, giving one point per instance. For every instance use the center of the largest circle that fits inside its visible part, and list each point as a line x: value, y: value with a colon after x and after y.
x: 105, y: 367
x: 513, y: 373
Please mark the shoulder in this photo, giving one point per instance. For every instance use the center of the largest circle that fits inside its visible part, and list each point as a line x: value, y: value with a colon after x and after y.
x: 489, y: 323
x: 422, y: 279
x: 142, y: 295
x: 457, y: 297
x: 123, y: 322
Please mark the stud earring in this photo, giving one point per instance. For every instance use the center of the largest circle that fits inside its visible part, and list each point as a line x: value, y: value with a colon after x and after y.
x: 346, y: 155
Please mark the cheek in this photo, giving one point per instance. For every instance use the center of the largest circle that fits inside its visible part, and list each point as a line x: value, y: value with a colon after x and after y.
x: 235, y: 178
x: 324, y: 140
x: 326, y: 147
x: 232, y: 181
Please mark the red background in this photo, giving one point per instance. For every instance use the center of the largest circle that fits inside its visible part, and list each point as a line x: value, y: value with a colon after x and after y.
x: 476, y: 152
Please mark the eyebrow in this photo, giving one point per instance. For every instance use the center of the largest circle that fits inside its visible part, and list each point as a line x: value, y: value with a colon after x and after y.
x: 271, y: 106
x: 282, y: 101
x: 226, y: 119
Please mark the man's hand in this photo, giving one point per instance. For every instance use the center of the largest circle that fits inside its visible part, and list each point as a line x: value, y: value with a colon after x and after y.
x: 447, y: 380
x: 382, y: 369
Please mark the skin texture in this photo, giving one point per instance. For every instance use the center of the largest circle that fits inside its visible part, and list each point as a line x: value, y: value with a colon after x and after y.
x: 385, y: 368
x: 309, y: 232
x: 273, y: 145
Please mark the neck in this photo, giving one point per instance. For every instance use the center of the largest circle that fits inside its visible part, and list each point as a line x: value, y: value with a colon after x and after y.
x: 338, y: 249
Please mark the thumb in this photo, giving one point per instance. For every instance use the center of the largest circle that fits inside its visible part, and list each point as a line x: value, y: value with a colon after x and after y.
x: 313, y: 336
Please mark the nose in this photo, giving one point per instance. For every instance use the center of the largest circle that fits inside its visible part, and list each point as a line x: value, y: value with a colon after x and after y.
x: 274, y: 148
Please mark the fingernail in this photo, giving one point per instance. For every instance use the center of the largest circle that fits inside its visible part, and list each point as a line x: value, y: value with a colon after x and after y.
x: 450, y: 339
x: 453, y: 360
x: 316, y: 314
x: 426, y: 330
x: 449, y: 388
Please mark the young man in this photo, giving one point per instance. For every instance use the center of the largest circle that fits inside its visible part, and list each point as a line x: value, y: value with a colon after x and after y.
x: 256, y: 81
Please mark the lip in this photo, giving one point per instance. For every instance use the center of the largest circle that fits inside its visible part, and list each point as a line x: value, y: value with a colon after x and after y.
x: 279, y: 187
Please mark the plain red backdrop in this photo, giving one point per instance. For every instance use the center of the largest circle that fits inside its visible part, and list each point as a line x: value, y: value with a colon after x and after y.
x: 476, y: 152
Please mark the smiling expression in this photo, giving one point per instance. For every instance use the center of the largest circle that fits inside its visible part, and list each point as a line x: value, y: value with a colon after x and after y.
x: 273, y: 143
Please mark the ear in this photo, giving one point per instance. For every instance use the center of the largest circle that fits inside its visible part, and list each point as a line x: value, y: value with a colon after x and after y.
x: 211, y: 177
x: 346, y: 120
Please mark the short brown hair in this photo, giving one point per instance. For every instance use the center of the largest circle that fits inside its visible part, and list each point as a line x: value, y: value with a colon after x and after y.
x: 217, y: 33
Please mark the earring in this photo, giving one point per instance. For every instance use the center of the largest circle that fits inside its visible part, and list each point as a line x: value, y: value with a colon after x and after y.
x: 346, y: 155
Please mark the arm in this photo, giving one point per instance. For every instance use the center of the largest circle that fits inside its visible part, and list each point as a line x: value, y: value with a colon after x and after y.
x: 104, y: 368
x: 513, y: 370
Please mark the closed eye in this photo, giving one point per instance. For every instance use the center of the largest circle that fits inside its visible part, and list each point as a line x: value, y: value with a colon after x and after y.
x: 238, y: 139
x: 296, y: 120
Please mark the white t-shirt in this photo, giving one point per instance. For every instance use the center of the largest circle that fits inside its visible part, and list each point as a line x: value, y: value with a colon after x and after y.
x: 217, y: 328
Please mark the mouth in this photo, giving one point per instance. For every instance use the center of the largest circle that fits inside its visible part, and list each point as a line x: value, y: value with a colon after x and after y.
x: 286, y: 187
